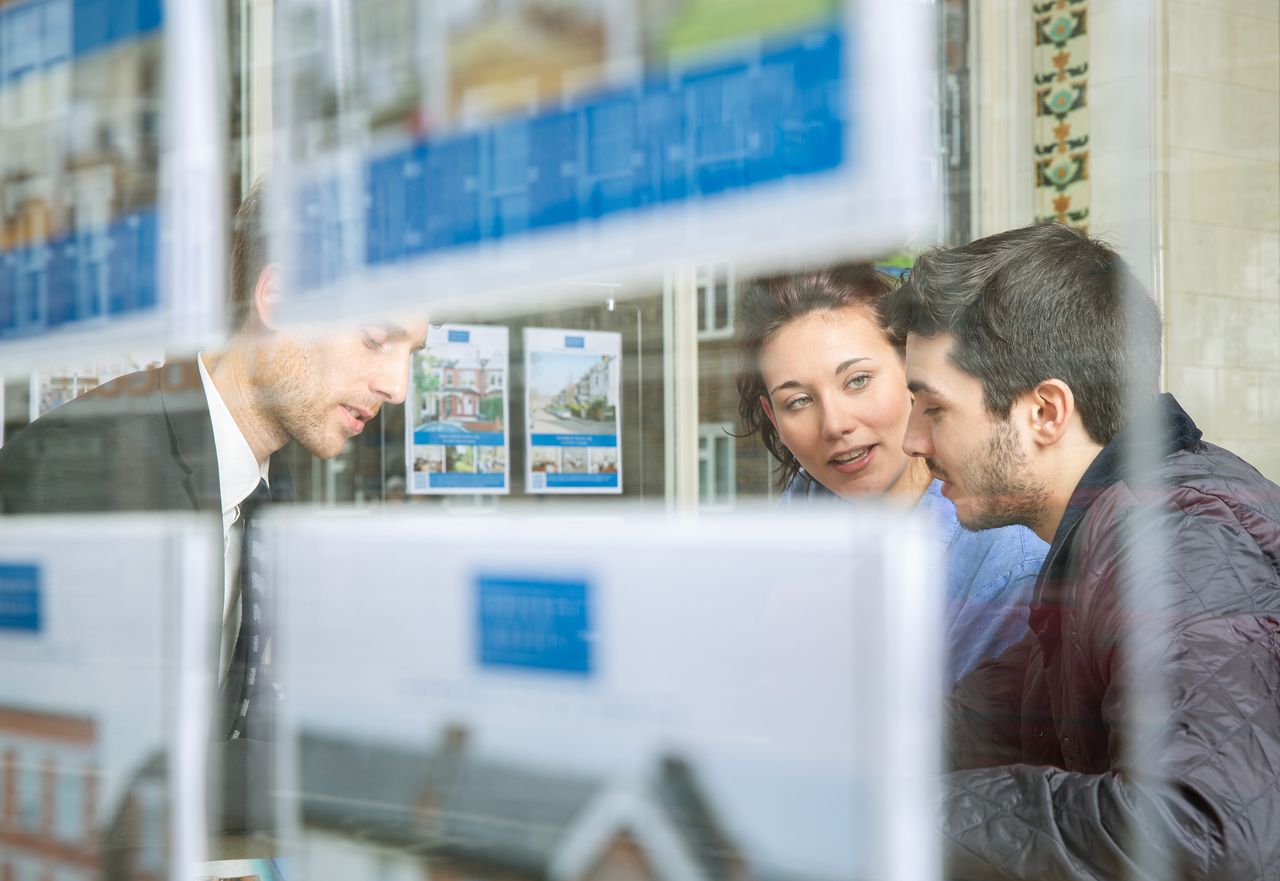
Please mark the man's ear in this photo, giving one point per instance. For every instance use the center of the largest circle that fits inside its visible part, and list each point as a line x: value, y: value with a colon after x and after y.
x: 768, y: 411
x: 266, y: 296
x: 1050, y: 409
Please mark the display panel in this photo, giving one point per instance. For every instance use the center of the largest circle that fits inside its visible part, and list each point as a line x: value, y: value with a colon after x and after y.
x: 588, y: 699
x: 86, y: 202
x: 460, y: 152
x: 104, y: 633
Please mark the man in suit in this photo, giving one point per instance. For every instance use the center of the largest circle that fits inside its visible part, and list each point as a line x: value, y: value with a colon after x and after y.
x: 154, y: 440
x: 199, y: 436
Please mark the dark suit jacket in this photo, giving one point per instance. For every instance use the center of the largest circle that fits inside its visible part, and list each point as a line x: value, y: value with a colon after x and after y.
x: 143, y: 442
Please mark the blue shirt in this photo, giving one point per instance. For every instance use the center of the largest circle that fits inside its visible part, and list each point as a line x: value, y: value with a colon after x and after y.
x: 991, y: 576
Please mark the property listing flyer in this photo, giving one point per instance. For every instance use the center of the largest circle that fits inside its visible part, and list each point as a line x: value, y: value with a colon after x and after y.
x: 456, y: 414
x: 574, y: 413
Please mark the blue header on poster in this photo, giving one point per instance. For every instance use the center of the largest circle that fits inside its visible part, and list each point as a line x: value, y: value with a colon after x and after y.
x: 721, y: 128
x: 20, y: 599
x: 581, y: 481
x: 459, y: 438
x: 534, y: 623
x: 459, y: 336
x: 575, y: 342
x: 574, y: 440
x: 467, y: 481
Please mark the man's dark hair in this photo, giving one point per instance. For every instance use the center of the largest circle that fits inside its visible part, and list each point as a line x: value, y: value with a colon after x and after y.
x: 768, y: 305
x: 248, y: 252
x: 1041, y: 302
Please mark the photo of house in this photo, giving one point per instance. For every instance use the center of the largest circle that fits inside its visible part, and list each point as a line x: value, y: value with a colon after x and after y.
x: 676, y: 29
x: 516, y: 56
x: 448, y: 811
x: 463, y: 389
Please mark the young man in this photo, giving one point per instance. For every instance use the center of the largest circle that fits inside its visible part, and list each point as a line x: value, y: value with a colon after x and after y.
x: 198, y: 436
x: 1136, y: 731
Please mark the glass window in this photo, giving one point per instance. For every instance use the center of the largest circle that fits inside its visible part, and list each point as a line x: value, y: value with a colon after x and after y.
x: 716, y: 472
x: 716, y: 296
x: 30, y: 796
x: 69, y: 805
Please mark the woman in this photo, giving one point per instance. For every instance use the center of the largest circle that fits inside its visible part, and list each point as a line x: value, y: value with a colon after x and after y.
x: 823, y: 383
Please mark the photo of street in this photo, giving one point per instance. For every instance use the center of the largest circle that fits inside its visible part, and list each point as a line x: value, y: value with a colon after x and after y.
x: 572, y: 394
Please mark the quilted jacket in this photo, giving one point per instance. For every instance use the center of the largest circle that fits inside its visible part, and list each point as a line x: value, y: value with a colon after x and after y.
x: 1135, y: 732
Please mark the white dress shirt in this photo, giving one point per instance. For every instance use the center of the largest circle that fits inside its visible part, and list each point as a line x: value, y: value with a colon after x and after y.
x: 238, y: 475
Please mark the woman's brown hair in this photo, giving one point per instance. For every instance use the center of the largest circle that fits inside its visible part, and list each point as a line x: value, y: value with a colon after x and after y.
x: 768, y: 305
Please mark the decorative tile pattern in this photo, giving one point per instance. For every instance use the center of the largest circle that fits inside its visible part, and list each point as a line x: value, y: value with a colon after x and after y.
x: 1061, y: 142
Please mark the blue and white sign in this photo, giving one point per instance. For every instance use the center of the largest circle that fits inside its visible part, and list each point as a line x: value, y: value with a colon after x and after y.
x: 456, y: 412
x: 534, y: 623
x: 573, y: 411
x: 20, y: 604
x: 599, y: 675
x: 85, y: 166
x: 108, y: 647
x: 499, y: 148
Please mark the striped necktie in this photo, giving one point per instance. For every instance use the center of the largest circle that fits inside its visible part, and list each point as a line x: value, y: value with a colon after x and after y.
x: 245, y: 676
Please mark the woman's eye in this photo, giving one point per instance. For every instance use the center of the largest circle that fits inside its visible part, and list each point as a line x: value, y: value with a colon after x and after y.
x: 373, y: 342
x: 797, y: 403
x: 858, y: 380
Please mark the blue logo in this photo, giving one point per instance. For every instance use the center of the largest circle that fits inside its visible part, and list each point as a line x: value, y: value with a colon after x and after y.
x: 20, y: 597
x: 575, y: 342
x: 459, y: 336
x: 534, y: 623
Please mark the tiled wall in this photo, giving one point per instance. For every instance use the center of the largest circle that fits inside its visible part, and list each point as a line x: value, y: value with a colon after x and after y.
x: 1061, y: 83
x: 1213, y: 78
x: 1222, y: 264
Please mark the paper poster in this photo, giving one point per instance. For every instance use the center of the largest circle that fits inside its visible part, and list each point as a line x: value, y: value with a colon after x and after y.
x: 456, y: 430
x: 573, y: 413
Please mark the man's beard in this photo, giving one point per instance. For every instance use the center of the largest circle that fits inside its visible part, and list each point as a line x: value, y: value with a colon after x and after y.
x: 293, y: 401
x: 999, y: 482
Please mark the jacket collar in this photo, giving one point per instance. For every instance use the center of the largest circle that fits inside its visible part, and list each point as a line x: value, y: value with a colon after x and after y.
x: 190, y: 433
x: 1109, y: 467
